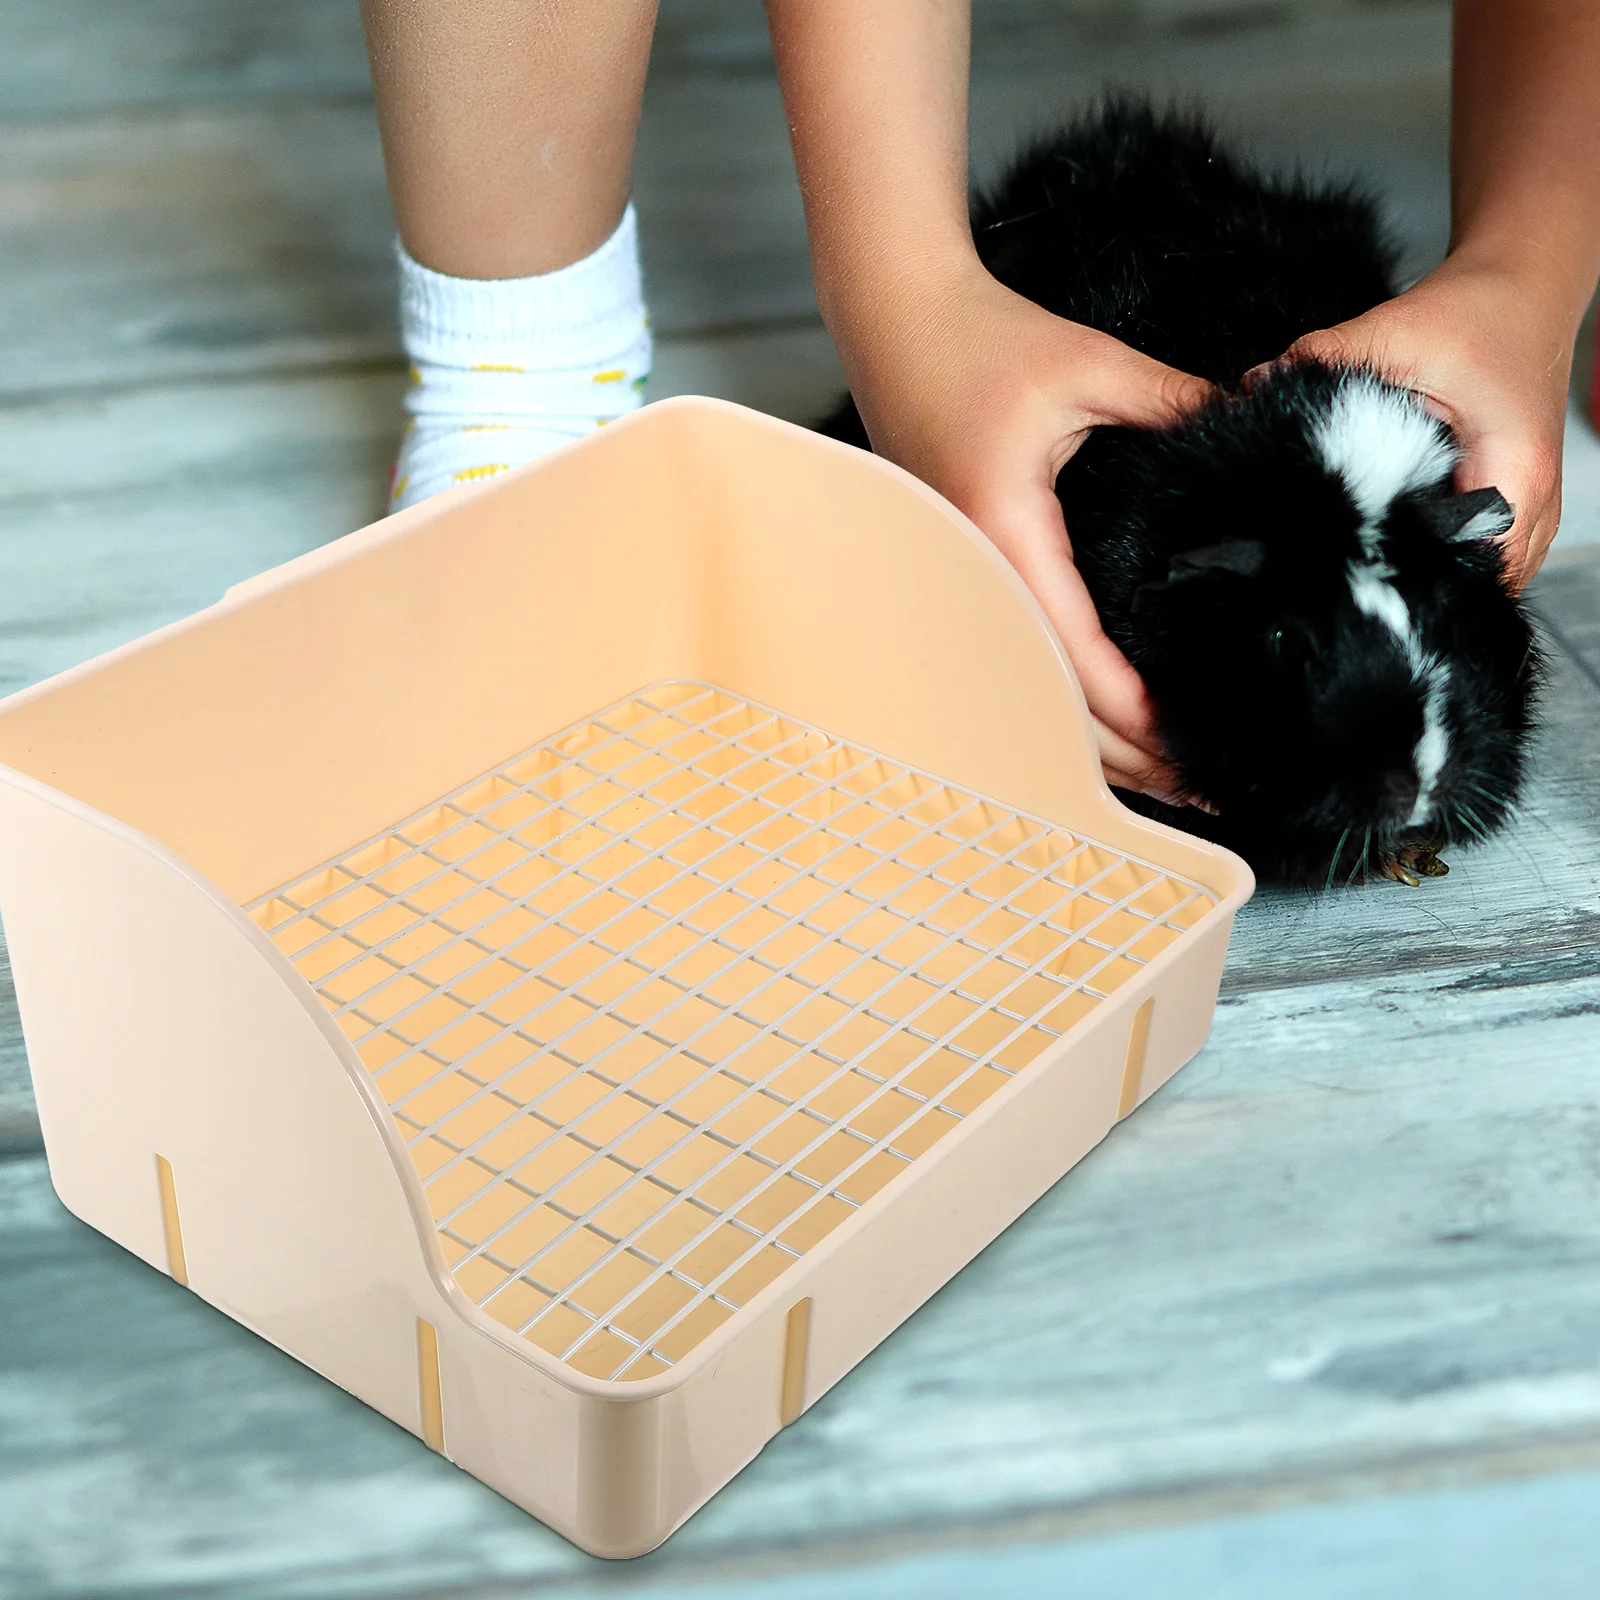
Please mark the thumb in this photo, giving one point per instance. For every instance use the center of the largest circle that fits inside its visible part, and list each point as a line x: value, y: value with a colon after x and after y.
x: 1333, y: 346
x: 1140, y: 392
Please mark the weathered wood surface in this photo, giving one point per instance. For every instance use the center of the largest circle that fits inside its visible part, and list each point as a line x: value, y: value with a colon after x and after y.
x: 72, y: 56
x: 1482, y: 1542
x: 249, y: 233
x: 1353, y: 1245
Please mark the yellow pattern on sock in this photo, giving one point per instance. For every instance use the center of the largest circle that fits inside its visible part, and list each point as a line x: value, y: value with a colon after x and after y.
x: 469, y: 474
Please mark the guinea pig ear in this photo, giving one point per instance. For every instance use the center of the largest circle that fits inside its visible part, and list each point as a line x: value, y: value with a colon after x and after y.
x: 1242, y: 557
x: 1477, y: 514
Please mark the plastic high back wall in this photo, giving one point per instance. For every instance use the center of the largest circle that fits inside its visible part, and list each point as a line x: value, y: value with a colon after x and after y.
x: 578, y: 962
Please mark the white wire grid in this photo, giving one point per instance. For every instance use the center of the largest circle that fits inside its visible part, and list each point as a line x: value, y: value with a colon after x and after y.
x: 661, y: 1001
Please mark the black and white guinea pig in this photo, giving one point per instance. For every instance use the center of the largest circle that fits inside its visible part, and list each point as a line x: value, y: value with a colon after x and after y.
x: 1338, y: 665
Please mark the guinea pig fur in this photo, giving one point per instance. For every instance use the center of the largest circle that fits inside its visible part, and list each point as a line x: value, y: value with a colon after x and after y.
x: 1338, y: 666
x: 1321, y: 620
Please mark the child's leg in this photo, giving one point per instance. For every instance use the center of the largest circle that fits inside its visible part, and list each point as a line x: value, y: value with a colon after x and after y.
x: 508, y: 130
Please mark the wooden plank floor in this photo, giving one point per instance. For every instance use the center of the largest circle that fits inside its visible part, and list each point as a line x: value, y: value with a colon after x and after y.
x: 1354, y: 1249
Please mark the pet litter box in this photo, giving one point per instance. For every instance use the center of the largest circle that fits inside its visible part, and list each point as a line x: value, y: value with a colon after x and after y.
x: 578, y: 962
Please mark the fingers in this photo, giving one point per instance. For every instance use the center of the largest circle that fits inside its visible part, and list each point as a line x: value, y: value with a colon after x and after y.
x: 1540, y: 537
x: 1029, y: 529
x: 1160, y: 785
x: 1526, y: 468
x: 1119, y: 780
x: 1510, y: 439
x: 1128, y: 767
x: 1115, y: 692
x: 1525, y: 552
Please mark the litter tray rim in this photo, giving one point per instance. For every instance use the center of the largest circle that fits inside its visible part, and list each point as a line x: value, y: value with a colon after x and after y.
x: 400, y: 524
x: 784, y: 1288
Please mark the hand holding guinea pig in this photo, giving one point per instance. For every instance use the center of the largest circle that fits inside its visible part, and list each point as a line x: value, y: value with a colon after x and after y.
x: 1341, y: 674
x: 1488, y: 336
x: 1320, y: 611
x: 984, y: 395
x: 1494, y: 364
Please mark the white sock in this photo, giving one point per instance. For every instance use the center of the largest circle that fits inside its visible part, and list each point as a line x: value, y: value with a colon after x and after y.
x: 505, y: 369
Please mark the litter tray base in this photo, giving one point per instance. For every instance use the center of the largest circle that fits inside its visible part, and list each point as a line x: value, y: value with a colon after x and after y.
x: 661, y: 1001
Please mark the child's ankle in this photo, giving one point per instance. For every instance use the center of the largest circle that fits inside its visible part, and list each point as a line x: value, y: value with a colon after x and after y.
x: 504, y: 370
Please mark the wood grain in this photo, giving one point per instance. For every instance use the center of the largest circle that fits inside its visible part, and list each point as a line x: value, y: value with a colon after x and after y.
x: 236, y: 235
x: 77, y: 56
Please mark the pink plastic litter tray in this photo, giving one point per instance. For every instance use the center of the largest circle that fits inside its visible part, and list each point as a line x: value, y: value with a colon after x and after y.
x: 578, y: 962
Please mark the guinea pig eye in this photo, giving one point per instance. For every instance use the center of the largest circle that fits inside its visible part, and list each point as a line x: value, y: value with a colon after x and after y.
x: 1290, y: 640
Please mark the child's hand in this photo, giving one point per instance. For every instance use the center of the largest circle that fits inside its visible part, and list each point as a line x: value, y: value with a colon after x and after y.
x: 1494, y: 361
x: 984, y: 396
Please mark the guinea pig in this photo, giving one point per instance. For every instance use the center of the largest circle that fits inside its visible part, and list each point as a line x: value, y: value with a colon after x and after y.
x: 1339, y: 668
